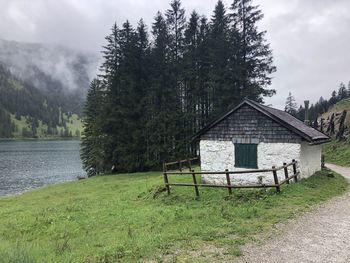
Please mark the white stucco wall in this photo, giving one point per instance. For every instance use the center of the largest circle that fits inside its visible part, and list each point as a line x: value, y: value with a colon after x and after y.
x: 310, y: 159
x: 219, y: 155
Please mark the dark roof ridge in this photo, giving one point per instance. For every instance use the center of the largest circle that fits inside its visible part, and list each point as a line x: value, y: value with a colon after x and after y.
x: 283, y: 118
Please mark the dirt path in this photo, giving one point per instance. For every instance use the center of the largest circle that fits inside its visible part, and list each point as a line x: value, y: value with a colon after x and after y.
x: 320, y: 235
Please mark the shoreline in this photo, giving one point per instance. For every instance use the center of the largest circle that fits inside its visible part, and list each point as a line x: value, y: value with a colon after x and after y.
x: 41, y: 139
x: 36, y: 188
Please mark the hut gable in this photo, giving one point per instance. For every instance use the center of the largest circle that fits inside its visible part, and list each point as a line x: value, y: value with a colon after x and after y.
x: 253, y: 122
x: 247, y: 124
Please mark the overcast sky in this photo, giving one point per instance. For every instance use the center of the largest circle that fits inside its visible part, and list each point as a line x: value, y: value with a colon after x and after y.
x: 310, y: 39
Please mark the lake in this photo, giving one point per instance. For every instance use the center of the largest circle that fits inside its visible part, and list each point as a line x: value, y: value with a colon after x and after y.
x: 25, y: 165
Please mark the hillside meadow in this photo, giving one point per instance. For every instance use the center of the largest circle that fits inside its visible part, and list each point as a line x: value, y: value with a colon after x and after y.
x: 337, y: 152
x: 73, y: 124
x: 127, y: 218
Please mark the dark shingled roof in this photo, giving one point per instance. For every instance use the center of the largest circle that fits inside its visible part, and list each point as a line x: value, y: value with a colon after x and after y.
x: 283, y: 118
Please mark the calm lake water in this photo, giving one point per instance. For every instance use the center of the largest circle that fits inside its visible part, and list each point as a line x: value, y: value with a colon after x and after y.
x: 25, y: 165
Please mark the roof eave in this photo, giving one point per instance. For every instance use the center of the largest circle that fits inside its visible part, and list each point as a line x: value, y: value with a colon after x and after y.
x: 281, y: 122
x: 312, y: 141
x: 317, y: 142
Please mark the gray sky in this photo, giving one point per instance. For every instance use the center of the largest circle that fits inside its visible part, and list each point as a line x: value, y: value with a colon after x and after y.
x: 310, y: 39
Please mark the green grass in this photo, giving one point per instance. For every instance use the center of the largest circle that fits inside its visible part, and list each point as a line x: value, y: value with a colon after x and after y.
x: 118, y: 218
x: 344, y: 104
x: 337, y: 152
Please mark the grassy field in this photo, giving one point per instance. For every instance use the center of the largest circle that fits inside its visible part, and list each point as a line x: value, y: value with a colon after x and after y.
x: 121, y: 218
x: 344, y: 104
x: 337, y: 152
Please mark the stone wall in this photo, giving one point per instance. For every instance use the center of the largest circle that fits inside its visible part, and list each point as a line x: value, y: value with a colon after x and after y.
x: 310, y: 159
x: 219, y: 155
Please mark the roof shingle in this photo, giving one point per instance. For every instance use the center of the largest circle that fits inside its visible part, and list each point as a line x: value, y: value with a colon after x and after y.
x: 285, y: 119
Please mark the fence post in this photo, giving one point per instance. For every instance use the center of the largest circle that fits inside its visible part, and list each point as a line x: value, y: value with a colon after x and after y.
x: 228, y: 182
x: 286, y: 172
x: 195, y: 183
x: 180, y: 166
x: 189, y: 164
x: 295, y: 170
x: 276, y: 179
x: 166, y: 181
x: 322, y: 161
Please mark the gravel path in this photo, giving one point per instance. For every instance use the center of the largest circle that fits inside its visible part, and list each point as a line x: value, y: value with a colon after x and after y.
x: 320, y: 235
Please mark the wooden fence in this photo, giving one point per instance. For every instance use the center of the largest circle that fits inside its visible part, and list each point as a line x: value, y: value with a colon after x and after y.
x: 277, y: 184
x: 181, y: 164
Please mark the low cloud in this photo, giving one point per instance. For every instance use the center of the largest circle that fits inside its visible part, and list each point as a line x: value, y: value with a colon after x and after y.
x: 309, y: 38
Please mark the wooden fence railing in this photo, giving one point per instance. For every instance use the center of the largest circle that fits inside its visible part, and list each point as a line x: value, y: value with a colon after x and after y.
x: 181, y: 164
x: 277, y: 184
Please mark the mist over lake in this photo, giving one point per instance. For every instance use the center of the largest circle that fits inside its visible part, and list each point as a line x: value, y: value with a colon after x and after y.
x: 25, y: 165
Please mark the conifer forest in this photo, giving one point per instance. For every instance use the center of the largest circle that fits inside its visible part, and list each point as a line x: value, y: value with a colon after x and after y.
x: 160, y: 83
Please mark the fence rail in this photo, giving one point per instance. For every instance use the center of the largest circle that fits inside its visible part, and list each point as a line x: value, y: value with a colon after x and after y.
x: 181, y: 164
x: 277, y: 184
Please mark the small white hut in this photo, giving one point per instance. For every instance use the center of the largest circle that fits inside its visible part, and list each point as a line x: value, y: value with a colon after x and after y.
x: 254, y: 136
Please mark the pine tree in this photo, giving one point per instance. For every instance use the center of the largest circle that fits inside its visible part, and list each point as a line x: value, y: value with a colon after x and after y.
x: 92, y: 147
x: 125, y: 118
x: 291, y: 105
x: 333, y: 100
x: 161, y: 97
x: 176, y: 23
x: 342, y: 92
x: 204, y: 68
x: 110, y: 82
x: 157, y: 95
x: 219, y: 57
x: 140, y: 107
x: 191, y: 67
x: 253, y: 56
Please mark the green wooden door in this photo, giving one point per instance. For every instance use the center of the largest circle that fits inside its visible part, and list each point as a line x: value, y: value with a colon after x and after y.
x: 246, y: 155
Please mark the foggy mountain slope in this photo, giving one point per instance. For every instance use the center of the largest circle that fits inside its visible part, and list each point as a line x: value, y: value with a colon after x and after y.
x: 43, y: 89
x: 26, y: 111
x: 59, y: 72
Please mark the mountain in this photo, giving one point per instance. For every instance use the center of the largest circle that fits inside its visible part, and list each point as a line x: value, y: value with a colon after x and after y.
x: 42, y: 89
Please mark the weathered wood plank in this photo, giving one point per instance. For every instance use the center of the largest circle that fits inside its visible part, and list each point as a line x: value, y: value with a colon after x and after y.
x: 247, y: 121
x: 228, y: 179
x: 195, y: 183
x: 275, y: 178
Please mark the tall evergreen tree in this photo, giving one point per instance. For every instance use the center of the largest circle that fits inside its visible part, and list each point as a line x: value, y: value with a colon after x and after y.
x: 254, y: 56
x: 176, y: 23
x: 219, y: 57
x: 204, y: 67
x: 191, y: 66
x: 92, y: 150
x: 291, y: 105
x: 157, y: 95
x: 161, y: 96
x: 342, y: 92
x: 140, y: 103
x: 110, y: 81
x: 126, y: 115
